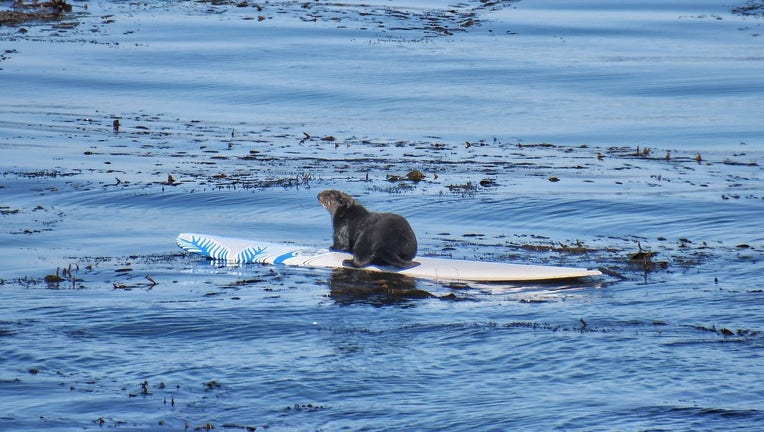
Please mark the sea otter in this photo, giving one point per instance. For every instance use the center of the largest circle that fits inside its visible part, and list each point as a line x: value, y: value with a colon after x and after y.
x: 372, y: 238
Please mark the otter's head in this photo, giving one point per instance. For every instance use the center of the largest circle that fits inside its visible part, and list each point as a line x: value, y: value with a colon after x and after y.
x: 334, y: 199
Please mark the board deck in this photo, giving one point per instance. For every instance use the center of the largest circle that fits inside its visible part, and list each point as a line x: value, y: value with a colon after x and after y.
x: 241, y: 251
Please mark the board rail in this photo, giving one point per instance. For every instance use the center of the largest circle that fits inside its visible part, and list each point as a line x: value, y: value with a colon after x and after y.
x: 243, y: 251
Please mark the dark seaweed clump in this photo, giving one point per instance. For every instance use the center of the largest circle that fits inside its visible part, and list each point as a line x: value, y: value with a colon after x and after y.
x: 447, y: 21
x: 751, y: 7
x: 23, y: 13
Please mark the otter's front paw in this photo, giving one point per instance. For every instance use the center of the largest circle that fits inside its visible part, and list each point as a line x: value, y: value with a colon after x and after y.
x: 350, y: 263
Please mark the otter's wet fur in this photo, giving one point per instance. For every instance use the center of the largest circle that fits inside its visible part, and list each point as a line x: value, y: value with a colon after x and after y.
x: 372, y: 238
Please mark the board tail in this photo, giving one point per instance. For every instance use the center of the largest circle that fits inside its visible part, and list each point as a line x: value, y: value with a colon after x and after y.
x: 238, y: 251
x: 202, y: 245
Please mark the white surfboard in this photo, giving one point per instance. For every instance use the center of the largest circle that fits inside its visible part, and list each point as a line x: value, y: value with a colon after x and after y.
x: 240, y: 251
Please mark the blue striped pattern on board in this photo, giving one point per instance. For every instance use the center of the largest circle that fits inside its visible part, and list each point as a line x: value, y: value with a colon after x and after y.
x: 250, y: 254
x: 204, y: 246
x: 281, y: 258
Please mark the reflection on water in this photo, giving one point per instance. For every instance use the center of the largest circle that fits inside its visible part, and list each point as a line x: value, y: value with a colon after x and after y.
x: 349, y: 286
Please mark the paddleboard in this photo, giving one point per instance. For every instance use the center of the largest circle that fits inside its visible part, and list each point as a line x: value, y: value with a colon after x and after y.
x: 242, y: 251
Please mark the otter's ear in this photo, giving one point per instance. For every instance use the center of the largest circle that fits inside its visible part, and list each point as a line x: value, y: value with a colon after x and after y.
x: 347, y: 200
x: 344, y: 200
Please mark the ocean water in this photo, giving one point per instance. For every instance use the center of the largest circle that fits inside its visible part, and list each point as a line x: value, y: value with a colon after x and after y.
x: 625, y: 136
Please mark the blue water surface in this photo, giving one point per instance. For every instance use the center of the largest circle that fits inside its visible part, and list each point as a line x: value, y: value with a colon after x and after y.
x: 622, y: 136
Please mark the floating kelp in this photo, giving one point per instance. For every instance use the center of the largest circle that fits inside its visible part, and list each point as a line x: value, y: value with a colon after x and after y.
x: 751, y: 7
x: 22, y: 13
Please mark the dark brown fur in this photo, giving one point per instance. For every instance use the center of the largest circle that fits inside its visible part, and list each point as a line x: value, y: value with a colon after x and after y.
x: 372, y: 238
